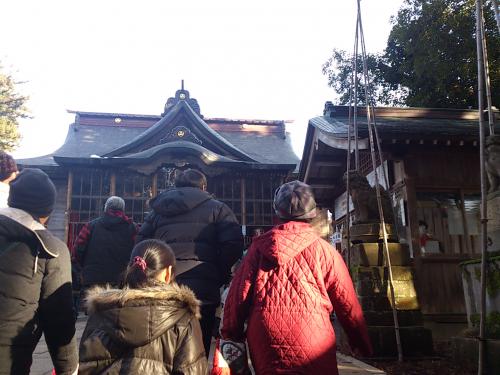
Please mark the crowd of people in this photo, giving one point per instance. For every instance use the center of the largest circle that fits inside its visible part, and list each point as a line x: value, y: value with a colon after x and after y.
x: 151, y: 292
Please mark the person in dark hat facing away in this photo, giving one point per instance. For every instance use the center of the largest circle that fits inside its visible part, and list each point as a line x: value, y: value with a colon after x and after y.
x: 8, y: 171
x: 204, y: 235
x: 35, y: 280
x: 290, y: 282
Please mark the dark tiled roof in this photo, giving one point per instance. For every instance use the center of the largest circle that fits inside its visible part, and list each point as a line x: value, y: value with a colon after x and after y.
x: 265, y: 148
x: 410, y: 127
x: 86, y: 140
x: 39, y: 161
x: 196, y: 121
x: 82, y: 141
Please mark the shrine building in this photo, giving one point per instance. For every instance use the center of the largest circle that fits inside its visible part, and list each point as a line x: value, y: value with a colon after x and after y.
x: 135, y: 157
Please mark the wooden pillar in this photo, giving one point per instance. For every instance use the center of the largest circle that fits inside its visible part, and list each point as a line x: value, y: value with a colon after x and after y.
x: 154, y: 185
x: 69, y: 194
x: 411, y: 200
x: 243, y: 202
x: 112, y: 187
x: 467, y: 239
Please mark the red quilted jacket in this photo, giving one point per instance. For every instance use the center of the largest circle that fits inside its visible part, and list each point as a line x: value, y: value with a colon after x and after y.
x: 288, y: 285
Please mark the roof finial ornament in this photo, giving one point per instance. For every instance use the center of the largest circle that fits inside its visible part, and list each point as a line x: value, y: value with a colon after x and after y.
x: 182, y: 95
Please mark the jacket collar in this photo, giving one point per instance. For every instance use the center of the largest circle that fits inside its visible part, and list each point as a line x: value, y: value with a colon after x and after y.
x: 26, y: 220
x: 99, y: 299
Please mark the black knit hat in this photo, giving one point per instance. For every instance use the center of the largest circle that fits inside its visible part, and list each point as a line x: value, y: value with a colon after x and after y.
x: 33, y: 191
x: 294, y: 201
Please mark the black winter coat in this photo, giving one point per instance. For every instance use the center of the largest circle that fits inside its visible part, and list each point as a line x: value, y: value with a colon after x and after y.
x: 105, y: 256
x: 35, y: 295
x: 152, y: 330
x: 204, y: 235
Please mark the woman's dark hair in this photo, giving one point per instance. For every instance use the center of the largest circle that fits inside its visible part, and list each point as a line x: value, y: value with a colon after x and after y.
x: 190, y: 178
x: 154, y: 256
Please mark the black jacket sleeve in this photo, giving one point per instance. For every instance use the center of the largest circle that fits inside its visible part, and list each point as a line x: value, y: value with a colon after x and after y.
x: 230, y: 241
x: 57, y: 314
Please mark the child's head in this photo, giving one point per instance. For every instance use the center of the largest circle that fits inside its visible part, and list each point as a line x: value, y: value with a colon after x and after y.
x: 151, y: 261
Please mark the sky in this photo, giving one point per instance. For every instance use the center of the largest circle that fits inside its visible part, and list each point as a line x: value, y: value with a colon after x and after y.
x: 240, y: 59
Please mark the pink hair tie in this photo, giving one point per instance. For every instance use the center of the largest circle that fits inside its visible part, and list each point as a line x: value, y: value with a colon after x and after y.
x: 141, y: 263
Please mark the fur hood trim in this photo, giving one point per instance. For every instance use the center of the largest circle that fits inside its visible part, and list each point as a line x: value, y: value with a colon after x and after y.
x: 100, y: 298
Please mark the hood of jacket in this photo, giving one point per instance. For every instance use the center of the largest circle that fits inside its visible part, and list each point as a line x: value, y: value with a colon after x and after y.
x: 177, y: 201
x: 285, y: 241
x: 19, y: 226
x: 136, y: 317
x: 112, y: 218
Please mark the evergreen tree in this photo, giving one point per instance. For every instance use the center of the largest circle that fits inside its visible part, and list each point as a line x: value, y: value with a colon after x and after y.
x: 430, y: 59
x: 12, y: 108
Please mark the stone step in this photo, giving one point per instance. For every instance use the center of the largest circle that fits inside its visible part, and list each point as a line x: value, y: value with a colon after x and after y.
x: 372, y: 254
x: 406, y: 318
x: 375, y: 303
x: 416, y: 341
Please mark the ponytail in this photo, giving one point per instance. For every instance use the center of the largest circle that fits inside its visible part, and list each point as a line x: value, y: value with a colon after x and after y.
x: 148, y: 258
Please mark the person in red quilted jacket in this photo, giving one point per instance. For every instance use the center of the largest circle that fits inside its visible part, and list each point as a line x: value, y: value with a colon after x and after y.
x: 290, y: 282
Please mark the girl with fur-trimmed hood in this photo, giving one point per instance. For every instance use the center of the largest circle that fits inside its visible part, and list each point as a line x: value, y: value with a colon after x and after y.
x: 149, y: 327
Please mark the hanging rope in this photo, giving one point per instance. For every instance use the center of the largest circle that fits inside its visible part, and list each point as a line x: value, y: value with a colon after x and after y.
x: 484, y: 230
x: 371, y: 131
x: 489, y: 104
x: 349, y: 147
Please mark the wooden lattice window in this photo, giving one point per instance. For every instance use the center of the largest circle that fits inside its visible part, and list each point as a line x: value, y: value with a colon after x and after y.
x: 90, y: 189
x: 136, y: 190
x: 259, y: 199
x: 365, y: 162
x: 227, y: 190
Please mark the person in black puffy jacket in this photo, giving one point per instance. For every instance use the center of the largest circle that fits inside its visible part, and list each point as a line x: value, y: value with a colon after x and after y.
x: 102, y: 249
x: 35, y: 280
x: 149, y: 327
x: 204, y: 235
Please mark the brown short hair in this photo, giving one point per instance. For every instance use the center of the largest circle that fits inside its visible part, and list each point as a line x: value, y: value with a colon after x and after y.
x: 7, y: 165
x: 190, y: 178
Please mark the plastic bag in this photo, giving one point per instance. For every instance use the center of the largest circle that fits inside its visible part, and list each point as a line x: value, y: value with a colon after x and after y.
x: 230, y: 358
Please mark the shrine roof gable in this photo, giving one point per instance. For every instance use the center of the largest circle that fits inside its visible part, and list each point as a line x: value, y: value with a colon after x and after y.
x: 180, y: 123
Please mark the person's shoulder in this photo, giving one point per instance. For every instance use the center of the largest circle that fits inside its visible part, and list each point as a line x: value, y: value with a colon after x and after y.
x: 318, y: 244
x: 52, y: 244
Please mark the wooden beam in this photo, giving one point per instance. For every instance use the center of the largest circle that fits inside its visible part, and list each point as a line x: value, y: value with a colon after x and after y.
x: 324, y: 163
x: 321, y: 183
x: 243, y: 202
x: 112, y: 187
x: 314, y: 139
x: 69, y: 195
x: 154, y: 185
x: 323, y: 186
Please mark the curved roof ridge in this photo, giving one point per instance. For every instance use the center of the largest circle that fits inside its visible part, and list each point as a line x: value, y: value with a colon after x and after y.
x: 196, y: 119
x: 208, y: 154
